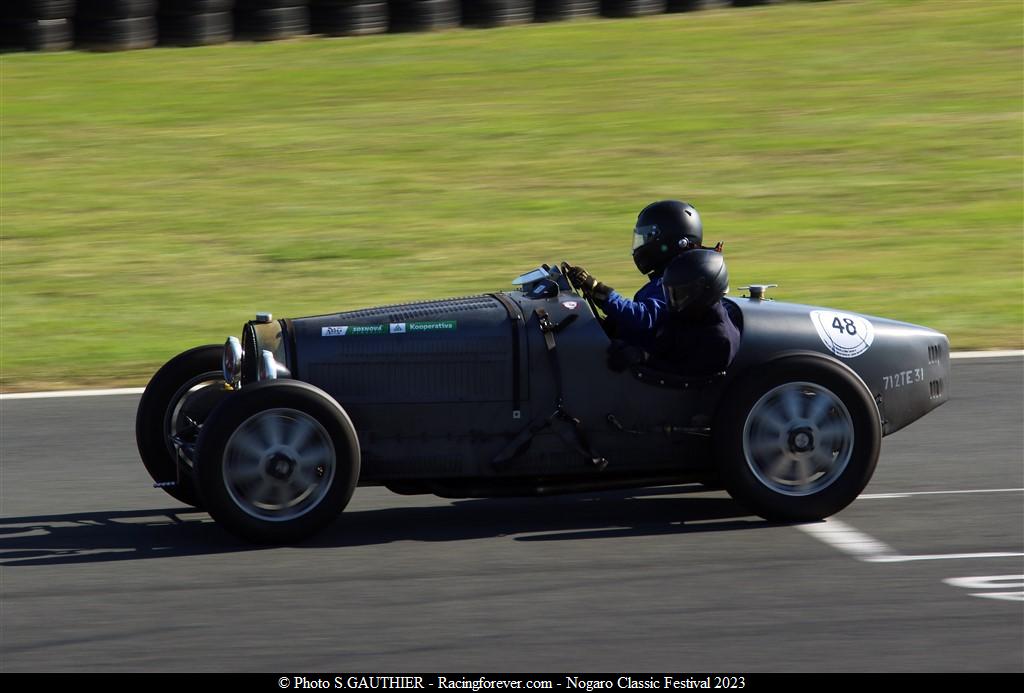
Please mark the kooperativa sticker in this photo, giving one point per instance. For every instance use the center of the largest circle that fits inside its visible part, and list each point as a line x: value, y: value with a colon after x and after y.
x: 844, y: 334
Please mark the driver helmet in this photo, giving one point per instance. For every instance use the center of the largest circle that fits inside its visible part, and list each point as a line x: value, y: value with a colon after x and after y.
x: 663, y: 230
x: 695, y: 281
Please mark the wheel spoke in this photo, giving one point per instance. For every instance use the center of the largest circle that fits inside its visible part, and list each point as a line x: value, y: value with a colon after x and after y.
x: 245, y: 475
x: 804, y: 470
x: 247, y: 447
x: 261, y: 493
x: 297, y: 488
x: 764, y: 447
x: 792, y: 404
x: 774, y: 420
x: 318, y: 456
x: 278, y: 494
x: 820, y: 406
x: 271, y: 430
x: 823, y: 459
x: 298, y: 432
x: 777, y: 466
x: 833, y: 432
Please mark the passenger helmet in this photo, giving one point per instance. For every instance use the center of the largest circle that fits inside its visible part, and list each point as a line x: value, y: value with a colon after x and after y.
x: 695, y: 281
x: 658, y: 232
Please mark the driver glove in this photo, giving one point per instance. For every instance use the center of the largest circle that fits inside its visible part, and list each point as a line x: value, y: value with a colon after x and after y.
x: 587, y: 284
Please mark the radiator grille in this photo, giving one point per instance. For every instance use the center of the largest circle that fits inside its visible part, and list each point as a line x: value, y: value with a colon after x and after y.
x: 936, y: 388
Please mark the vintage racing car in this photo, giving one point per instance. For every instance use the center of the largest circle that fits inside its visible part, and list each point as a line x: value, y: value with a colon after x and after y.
x: 511, y: 393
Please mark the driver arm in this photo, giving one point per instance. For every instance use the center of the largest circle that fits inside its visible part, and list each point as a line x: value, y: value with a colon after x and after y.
x: 638, y: 320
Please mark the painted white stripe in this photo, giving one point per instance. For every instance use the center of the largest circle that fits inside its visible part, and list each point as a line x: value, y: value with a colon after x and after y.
x: 863, y: 547
x: 73, y: 393
x: 941, y: 557
x: 986, y: 354
x: 989, y: 583
x: 842, y: 536
x: 908, y: 494
x: 1008, y: 596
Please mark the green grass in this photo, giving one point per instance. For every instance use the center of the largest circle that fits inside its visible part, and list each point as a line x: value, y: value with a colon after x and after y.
x: 863, y: 155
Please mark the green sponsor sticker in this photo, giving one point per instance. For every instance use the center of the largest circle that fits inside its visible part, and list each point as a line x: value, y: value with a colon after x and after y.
x: 368, y: 329
x: 430, y: 326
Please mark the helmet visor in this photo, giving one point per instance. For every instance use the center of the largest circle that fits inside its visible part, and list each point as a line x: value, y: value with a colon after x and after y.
x: 642, y: 235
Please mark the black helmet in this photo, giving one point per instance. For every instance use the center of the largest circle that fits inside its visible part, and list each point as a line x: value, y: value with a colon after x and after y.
x: 695, y: 281
x: 659, y: 229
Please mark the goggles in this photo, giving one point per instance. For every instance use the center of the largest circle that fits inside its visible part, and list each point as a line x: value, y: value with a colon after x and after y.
x: 642, y: 235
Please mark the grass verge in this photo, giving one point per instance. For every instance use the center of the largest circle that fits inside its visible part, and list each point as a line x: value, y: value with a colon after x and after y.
x: 863, y: 155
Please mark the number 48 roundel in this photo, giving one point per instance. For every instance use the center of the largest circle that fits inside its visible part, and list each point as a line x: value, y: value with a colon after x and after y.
x: 846, y: 335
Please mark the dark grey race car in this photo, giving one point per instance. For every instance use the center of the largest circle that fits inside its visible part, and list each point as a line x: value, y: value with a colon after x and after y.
x: 511, y: 394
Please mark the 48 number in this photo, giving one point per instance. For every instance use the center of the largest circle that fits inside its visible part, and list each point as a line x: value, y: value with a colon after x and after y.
x: 846, y: 326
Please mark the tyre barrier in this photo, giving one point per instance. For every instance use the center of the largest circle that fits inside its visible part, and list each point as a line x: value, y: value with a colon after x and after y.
x: 349, y: 17
x: 115, y: 25
x: 685, y: 5
x: 107, y: 25
x: 558, y: 10
x: 424, y: 15
x: 36, y: 25
x: 492, y: 13
x: 270, y: 20
x: 195, y: 22
x: 632, y: 8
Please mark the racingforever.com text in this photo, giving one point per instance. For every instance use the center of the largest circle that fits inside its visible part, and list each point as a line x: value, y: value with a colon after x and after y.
x: 489, y: 682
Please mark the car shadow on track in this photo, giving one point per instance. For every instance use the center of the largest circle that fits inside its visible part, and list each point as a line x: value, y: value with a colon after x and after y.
x: 161, y: 533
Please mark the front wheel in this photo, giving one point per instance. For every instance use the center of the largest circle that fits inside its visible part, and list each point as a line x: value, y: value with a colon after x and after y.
x: 798, y: 441
x: 277, y: 461
x: 171, y: 413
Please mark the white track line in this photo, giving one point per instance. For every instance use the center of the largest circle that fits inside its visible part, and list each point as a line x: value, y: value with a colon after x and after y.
x: 986, y: 354
x: 907, y: 494
x: 73, y: 393
x: 850, y: 541
x: 942, y: 557
x: 853, y: 542
x: 138, y: 390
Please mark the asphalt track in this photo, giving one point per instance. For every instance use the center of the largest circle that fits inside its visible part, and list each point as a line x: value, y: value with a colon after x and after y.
x: 101, y: 572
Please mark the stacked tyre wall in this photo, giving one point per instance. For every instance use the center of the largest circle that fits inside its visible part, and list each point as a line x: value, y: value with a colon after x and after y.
x: 40, y: 25
x: 269, y: 20
x: 349, y: 17
x: 424, y: 15
x: 195, y: 22
x: 115, y: 25
x: 37, y: 25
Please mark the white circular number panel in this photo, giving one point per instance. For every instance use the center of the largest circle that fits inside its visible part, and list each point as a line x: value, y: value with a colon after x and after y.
x: 844, y: 334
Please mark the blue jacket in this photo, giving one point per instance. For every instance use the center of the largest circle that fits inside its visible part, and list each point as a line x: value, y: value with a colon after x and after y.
x: 637, y: 321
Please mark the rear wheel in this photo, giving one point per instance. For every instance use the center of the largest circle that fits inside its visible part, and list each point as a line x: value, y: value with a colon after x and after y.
x: 171, y: 413
x: 277, y: 461
x: 798, y: 441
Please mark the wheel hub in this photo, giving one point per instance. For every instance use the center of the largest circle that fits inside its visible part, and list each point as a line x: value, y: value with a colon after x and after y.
x: 280, y: 466
x: 801, y: 440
